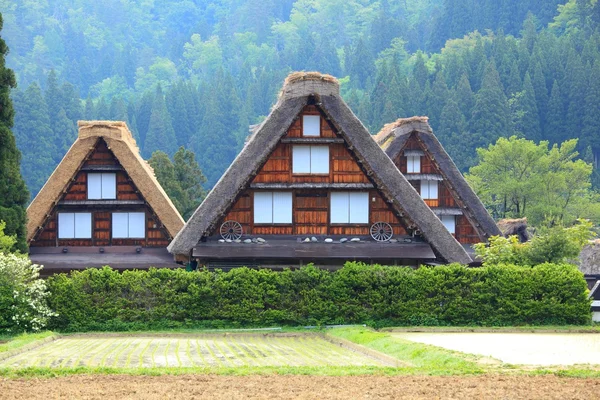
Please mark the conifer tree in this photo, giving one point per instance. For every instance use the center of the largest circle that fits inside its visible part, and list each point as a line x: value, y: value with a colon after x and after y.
x: 528, y: 123
x: 541, y: 91
x: 577, y: 91
x: 436, y: 100
x: 465, y: 95
x: 453, y: 126
x: 554, y: 130
x: 591, y: 121
x: 161, y: 135
x: 12, y: 187
x: 490, y: 117
x: 420, y: 71
x: 34, y: 135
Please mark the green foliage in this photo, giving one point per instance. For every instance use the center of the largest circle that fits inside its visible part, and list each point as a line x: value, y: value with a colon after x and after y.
x: 557, y: 245
x: 104, y: 299
x: 181, y: 179
x: 23, y: 295
x: 13, y: 193
x: 6, y: 242
x: 518, y: 178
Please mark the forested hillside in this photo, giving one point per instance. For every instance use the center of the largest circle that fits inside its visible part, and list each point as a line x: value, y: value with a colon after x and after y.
x: 196, y: 73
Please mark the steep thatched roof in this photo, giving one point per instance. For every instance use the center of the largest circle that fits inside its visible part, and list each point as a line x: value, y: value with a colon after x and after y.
x: 295, y: 94
x: 120, y: 141
x: 393, y: 137
x: 510, y: 227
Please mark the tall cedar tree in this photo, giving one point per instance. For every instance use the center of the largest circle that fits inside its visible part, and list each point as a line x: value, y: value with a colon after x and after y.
x: 591, y: 120
x: 490, y: 117
x: 555, y: 116
x: 161, y: 135
x: 12, y: 187
x: 34, y: 135
x: 529, y: 122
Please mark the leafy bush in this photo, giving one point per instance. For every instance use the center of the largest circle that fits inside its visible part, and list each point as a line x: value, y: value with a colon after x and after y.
x: 23, y: 295
x: 552, y: 245
x: 104, y: 299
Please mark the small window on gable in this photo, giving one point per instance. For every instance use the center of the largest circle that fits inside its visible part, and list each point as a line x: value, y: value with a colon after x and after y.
x: 74, y: 225
x: 310, y: 159
x: 273, y: 207
x: 102, y: 186
x: 449, y: 222
x: 311, y: 125
x: 429, y: 190
x: 349, y: 208
x: 129, y: 225
x: 413, y: 164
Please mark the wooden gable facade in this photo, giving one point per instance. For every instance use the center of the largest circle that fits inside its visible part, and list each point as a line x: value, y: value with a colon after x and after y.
x: 447, y: 200
x: 127, y: 200
x: 412, y: 146
x: 311, y: 185
x: 102, y: 205
x: 311, y: 192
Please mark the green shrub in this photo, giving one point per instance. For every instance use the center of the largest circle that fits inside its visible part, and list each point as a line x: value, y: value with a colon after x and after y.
x: 104, y: 299
x: 22, y: 295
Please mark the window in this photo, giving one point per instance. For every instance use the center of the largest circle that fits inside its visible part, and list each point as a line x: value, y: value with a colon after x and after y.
x: 311, y: 125
x: 413, y: 164
x: 273, y: 207
x: 310, y: 159
x: 429, y: 190
x: 129, y: 225
x: 74, y: 225
x: 102, y: 186
x: 349, y: 208
x: 449, y: 222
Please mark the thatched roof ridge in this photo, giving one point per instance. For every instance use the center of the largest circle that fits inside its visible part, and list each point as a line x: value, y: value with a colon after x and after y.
x: 393, y: 141
x: 296, y: 93
x: 121, y: 142
x: 517, y: 226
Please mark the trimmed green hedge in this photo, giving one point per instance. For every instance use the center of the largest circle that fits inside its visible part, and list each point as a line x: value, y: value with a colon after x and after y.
x: 104, y: 299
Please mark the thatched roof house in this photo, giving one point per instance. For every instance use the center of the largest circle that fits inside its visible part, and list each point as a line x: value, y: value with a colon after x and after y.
x: 412, y: 145
x: 310, y: 117
x: 101, y: 199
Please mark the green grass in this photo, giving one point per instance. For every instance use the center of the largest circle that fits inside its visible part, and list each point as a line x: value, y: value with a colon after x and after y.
x: 501, y: 329
x: 424, y: 359
x: 18, y: 341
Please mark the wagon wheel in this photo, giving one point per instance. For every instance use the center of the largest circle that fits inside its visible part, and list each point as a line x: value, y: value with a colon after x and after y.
x: 231, y: 230
x: 381, y: 231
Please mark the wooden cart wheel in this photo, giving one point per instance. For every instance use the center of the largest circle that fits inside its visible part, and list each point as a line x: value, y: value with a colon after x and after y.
x: 381, y: 231
x: 231, y: 230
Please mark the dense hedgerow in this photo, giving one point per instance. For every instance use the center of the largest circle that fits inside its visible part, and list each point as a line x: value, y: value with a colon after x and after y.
x: 104, y: 299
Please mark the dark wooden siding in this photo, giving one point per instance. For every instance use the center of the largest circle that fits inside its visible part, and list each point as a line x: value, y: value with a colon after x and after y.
x: 310, y: 208
x: 465, y: 232
x: 102, y: 215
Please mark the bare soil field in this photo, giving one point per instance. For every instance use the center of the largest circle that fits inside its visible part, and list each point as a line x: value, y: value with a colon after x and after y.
x: 299, y: 387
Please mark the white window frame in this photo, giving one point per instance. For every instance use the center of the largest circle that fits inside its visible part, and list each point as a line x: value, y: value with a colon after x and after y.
x: 429, y: 190
x: 132, y: 227
x: 315, y: 161
x: 108, y: 185
x: 273, y: 208
x: 449, y: 222
x: 349, y: 208
x: 413, y: 164
x: 80, y: 225
x: 311, y: 125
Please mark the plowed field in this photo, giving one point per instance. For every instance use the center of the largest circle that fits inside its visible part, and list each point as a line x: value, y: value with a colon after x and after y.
x: 299, y: 387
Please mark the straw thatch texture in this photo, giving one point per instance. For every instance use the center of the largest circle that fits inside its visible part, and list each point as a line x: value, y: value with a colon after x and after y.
x: 393, y: 138
x: 294, y: 96
x: 121, y: 143
x: 510, y: 227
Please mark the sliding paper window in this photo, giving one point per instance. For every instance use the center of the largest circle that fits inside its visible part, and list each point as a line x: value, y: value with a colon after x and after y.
x: 129, y: 225
x: 311, y: 125
x: 273, y: 207
x: 74, y: 225
x: 310, y: 159
x: 102, y: 186
x: 429, y: 190
x: 349, y: 208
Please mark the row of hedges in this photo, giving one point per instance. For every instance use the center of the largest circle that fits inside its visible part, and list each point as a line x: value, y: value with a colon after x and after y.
x: 104, y: 299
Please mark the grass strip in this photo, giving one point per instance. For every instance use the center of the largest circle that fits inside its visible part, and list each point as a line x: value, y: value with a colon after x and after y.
x: 16, y: 342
